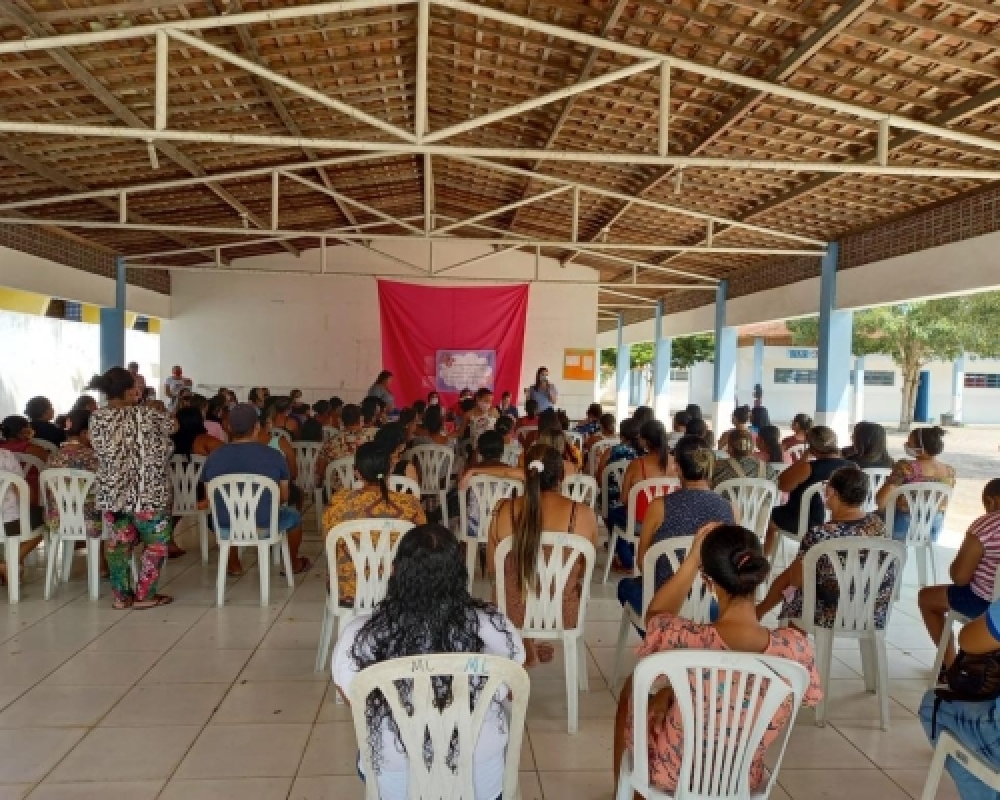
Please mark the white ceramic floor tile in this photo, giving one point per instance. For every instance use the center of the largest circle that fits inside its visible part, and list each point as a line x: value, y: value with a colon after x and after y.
x: 103, y: 668
x: 167, y: 704
x: 58, y: 706
x: 242, y: 788
x: 271, y: 702
x: 198, y: 666
x: 135, y: 790
x: 29, y: 753
x: 245, y: 751
x: 128, y: 754
x: 827, y: 784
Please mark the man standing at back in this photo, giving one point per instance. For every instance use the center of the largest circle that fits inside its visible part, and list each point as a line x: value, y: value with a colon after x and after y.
x: 244, y: 454
x: 139, y: 382
x: 173, y: 386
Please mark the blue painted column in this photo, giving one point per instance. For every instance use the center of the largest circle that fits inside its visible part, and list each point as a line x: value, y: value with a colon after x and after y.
x: 958, y: 388
x: 758, y: 362
x: 724, y: 368
x: 662, y: 346
x: 859, y: 389
x: 835, y: 330
x: 622, y: 371
x: 113, y: 323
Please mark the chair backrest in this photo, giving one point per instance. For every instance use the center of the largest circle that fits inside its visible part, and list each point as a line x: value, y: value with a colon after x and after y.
x: 372, y: 544
x: 860, y: 565
x: 698, y: 605
x: 574, y: 438
x: 597, y: 449
x: 28, y: 461
x: 306, y: 455
x: 526, y: 429
x: 240, y: 494
x: 512, y: 454
x: 185, y: 474
x: 581, y: 488
x: 618, y: 469
x: 650, y: 489
x: 400, y: 483
x: 752, y: 499
x: 877, y: 476
x: 924, y: 501
x: 434, y: 463
x: 14, y: 482
x: 797, y: 451
x: 46, y: 445
x: 67, y: 490
x: 816, y: 490
x: 282, y: 433
x: 726, y: 701
x: 476, y: 682
x: 557, y: 555
x: 339, y: 475
x: 488, y: 491
x: 330, y: 432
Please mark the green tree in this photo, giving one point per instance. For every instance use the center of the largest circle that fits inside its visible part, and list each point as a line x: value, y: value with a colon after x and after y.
x: 914, y: 334
x: 686, y: 351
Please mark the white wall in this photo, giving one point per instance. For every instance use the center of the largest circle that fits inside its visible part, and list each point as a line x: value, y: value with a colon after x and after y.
x: 320, y: 332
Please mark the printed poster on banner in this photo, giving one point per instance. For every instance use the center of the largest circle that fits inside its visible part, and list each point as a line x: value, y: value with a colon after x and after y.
x: 465, y: 369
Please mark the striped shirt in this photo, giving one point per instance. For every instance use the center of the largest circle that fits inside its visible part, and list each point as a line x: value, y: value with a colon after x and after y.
x: 987, y: 529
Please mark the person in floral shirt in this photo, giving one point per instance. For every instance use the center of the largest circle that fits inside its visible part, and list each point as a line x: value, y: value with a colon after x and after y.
x: 76, y: 453
x: 733, y: 565
x: 351, y: 437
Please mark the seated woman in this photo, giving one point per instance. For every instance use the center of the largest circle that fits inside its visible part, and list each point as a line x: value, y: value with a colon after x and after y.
x: 845, y: 495
x: 391, y: 438
x: 769, y: 447
x: 433, y: 426
x: 821, y: 461
x: 698, y: 427
x: 482, y: 417
x: 76, y: 453
x: 40, y: 413
x: 491, y: 464
x: 605, y: 431
x: 191, y: 439
x: 284, y: 417
x: 427, y: 610
x: 542, y: 508
x: 741, y: 462
x: 730, y: 559
x: 760, y: 418
x: 973, y: 571
x: 683, y: 512
x: 741, y: 422
x: 655, y: 462
x: 216, y: 413
x: 592, y: 424
x: 975, y: 725
x: 557, y: 441
x: 17, y: 435
x: 627, y: 449
x: 372, y: 501
x: 923, y: 447
x: 868, y: 446
x: 530, y: 418
x: 801, y: 423
x: 10, y: 513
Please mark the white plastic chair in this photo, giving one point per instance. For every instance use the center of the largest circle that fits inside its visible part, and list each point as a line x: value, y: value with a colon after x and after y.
x: 68, y: 489
x: 726, y: 702
x: 597, y: 449
x: 185, y: 475
x: 282, y: 433
x: 924, y: 501
x: 652, y: 488
x: 240, y: 494
x: 618, y: 469
x: 46, y: 445
x: 877, y: 476
x: 512, y: 454
x: 10, y: 481
x: 948, y: 745
x: 816, y: 490
x: 855, y: 611
x: 949, y: 623
x: 372, y: 545
x: 28, y: 461
x: 306, y: 455
x: 581, y: 489
x: 330, y: 432
x: 434, y: 464
x: 488, y: 492
x: 797, y: 451
x: 404, y: 485
x: 543, y: 616
x: 753, y: 499
x: 339, y: 475
x: 422, y: 716
x: 575, y: 438
x: 697, y: 607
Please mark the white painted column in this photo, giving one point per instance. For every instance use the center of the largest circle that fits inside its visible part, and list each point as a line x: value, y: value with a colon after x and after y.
x: 622, y: 371
x: 859, y: 389
x: 724, y: 383
x: 662, y: 346
x: 834, y: 367
x: 958, y: 388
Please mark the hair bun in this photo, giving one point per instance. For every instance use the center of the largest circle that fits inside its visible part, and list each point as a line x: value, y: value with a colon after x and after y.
x: 537, y: 466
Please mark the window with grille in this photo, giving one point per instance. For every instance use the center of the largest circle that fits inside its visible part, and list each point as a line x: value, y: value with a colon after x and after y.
x: 141, y: 324
x: 795, y: 376
x: 982, y: 380
x: 877, y: 377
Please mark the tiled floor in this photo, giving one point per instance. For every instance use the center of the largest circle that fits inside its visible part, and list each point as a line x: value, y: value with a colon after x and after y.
x: 193, y: 701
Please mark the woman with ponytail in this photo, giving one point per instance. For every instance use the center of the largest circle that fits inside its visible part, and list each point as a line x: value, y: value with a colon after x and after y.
x: 542, y: 508
x: 372, y: 500
x: 732, y: 564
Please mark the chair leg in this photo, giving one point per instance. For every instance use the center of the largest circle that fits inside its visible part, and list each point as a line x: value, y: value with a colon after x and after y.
x: 443, y: 501
x: 932, y: 556
x: 584, y: 676
x: 265, y: 573
x: 949, y: 622
x: 620, y: 650
x: 286, y: 556
x: 220, y: 582
x: 203, y: 535
x: 325, y: 637
x: 824, y: 657
x: 935, y: 771
x: 882, y: 681
x: 611, y: 554
x: 50, y: 563
x: 94, y: 568
x: 68, y: 550
x: 471, y: 553
x: 12, y: 555
x: 570, y: 644
x: 922, y: 566
x: 624, y: 788
x: 868, y: 665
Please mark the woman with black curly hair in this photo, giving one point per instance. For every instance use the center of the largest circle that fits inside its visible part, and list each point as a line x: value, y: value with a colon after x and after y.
x: 427, y: 609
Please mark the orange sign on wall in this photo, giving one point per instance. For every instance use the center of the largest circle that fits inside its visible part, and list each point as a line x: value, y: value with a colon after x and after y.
x: 579, y: 365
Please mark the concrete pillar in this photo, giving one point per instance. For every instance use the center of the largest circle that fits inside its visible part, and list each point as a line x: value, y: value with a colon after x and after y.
x: 661, y: 368
x: 758, y: 362
x: 622, y: 371
x: 113, y: 324
x: 724, y: 382
x: 834, y: 368
x: 958, y: 388
x: 859, y: 389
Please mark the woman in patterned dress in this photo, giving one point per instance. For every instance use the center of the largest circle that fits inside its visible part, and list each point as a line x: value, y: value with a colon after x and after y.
x: 733, y: 564
x: 133, y: 487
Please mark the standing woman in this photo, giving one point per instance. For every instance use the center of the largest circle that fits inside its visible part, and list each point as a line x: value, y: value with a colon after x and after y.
x: 545, y: 394
x: 133, y: 486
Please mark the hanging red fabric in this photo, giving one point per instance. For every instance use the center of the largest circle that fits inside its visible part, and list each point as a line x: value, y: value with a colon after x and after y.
x: 418, y: 321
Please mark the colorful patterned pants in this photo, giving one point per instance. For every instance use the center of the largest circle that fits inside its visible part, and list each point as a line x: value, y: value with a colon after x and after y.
x: 125, y: 531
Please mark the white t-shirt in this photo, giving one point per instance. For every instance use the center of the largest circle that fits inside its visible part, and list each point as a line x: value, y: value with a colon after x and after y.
x: 11, y: 508
x: 175, y: 384
x: 490, y: 749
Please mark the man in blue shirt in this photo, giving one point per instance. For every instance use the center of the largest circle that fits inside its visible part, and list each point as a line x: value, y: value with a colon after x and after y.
x: 542, y: 392
x: 244, y: 454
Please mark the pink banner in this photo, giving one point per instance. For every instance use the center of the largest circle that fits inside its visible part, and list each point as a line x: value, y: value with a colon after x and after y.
x: 434, y: 338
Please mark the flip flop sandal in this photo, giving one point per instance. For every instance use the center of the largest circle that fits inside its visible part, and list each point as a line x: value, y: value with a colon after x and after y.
x: 158, y: 600
x: 306, y: 564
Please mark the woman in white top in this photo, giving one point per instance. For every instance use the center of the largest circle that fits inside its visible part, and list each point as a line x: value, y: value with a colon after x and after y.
x: 427, y: 609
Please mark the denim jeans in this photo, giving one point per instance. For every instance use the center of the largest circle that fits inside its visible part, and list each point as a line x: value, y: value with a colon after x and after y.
x: 975, y: 725
x: 901, y: 524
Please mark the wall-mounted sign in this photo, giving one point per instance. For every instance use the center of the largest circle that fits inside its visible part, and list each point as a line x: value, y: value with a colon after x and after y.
x: 465, y: 369
x: 579, y: 365
x: 803, y: 352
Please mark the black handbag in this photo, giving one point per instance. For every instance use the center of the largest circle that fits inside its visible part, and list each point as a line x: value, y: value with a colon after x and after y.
x: 972, y: 678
